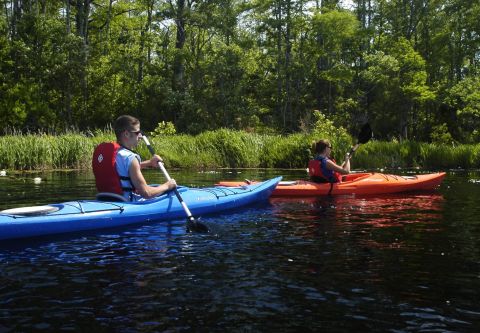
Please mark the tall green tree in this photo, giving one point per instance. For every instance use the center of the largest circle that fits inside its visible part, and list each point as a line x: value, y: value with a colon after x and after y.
x: 398, y: 89
x: 333, y: 33
x: 263, y: 65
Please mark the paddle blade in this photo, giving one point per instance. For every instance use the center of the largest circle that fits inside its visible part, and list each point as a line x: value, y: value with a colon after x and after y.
x: 365, y: 134
x: 195, y: 226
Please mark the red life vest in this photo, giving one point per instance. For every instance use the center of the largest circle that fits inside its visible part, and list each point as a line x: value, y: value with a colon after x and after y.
x: 104, y: 167
x: 317, y: 170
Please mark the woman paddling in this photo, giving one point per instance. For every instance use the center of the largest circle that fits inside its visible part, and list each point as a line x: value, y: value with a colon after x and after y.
x: 324, y: 169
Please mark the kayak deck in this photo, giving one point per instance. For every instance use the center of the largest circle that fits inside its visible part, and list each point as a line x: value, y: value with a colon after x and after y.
x: 357, y: 183
x: 82, y: 215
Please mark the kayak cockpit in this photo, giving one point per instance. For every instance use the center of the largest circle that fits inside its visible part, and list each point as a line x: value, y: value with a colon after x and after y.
x: 109, y: 196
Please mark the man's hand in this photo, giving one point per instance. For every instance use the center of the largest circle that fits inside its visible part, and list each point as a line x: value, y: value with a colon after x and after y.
x: 171, y: 184
x: 155, y: 160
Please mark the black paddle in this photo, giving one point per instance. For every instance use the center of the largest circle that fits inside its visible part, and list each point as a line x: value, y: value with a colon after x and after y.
x: 192, y: 224
x: 363, y: 137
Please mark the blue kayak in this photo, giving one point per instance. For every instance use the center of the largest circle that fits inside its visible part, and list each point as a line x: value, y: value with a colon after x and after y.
x: 83, y: 215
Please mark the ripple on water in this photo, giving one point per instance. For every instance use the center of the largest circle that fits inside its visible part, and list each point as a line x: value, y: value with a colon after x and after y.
x: 338, y: 264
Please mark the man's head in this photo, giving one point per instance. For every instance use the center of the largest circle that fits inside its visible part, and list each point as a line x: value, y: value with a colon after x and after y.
x: 127, y: 128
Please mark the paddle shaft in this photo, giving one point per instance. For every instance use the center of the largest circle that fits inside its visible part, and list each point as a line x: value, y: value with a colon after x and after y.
x: 167, y: 176
x: 354, y: 148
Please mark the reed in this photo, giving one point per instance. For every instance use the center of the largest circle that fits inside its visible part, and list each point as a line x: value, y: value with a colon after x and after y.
x: 291, y: 151
x: 42, y: 151
x: 222, y: 148
x: 182, y: 151
x: 234, y: 149
x: 413, y: 154
x: 231, y: 149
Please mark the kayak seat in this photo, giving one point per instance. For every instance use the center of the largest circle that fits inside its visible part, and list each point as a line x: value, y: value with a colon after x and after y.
x: 109, y: 196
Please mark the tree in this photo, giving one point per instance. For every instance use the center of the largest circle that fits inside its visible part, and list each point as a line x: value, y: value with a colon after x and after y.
x: 334, y: 32
x: 464, y: 97
x: 397, y: 87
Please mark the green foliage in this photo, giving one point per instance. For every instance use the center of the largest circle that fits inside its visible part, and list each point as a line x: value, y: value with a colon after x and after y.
x: 448, y: 156
x: 234, y: 149
x: 397, y: 81
x: 441, y: 135
x: 36, y: 152
x: 381, y: 68
x: 465, y: 98
x: 377, y: 154
x: 407, y: 154
x: 324, y: 128
x: 229, y: 149
x: 256, y: 66
x: 291, y: 151
x: 413, y: 75
x: 164, y: 128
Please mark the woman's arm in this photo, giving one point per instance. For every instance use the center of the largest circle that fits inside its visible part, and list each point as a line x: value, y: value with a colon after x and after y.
x: 344, y: 169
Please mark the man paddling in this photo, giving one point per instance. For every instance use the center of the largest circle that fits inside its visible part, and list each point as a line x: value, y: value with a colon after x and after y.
x: 117, y: 167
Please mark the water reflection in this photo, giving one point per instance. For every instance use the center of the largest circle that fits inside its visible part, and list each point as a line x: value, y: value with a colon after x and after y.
x: 396, y: 263
x: 412, y: 211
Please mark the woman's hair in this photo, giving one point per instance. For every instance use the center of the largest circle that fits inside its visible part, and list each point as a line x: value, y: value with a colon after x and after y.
x: 124, y: 123
x: 321, y: 145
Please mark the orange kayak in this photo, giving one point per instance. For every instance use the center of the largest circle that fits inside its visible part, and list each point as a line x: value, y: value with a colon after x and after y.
x: 356, y: 183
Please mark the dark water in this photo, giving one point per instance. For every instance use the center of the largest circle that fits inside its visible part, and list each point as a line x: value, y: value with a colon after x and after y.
x: 396, y: 263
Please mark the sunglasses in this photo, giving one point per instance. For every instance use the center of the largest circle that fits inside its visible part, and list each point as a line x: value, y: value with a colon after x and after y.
x: 136, y: 132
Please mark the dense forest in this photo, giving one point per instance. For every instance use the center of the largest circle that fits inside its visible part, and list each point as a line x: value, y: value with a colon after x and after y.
x: 409, y: 67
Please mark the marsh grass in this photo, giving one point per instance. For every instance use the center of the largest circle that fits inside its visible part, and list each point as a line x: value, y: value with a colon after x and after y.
x: 42, y: 151
x: 229, y: 149
x: 409, y: 154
